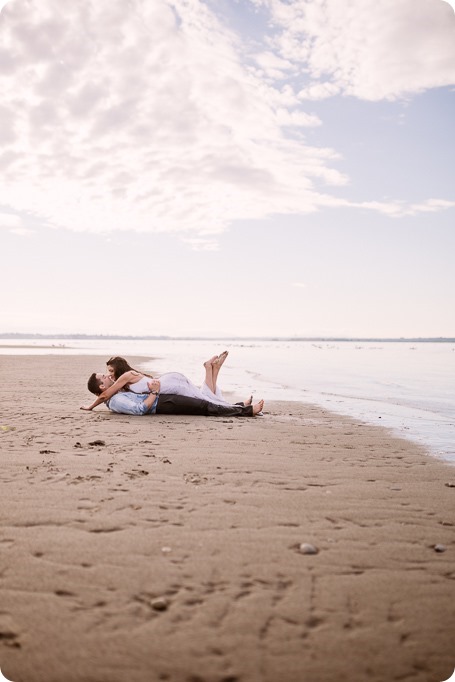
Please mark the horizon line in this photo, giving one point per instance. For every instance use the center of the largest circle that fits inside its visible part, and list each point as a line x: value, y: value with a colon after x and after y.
x: 165, y: 337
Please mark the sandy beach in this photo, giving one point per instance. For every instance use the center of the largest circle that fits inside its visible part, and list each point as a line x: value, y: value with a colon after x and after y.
x: 136, y: 549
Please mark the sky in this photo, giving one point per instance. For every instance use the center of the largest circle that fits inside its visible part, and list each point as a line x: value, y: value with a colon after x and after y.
x: 227, y: 167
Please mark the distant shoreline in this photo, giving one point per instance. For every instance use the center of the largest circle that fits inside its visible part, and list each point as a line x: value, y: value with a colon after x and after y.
x: 13, y: 336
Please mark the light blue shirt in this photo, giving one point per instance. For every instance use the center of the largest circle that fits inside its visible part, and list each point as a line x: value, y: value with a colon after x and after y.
x: 127, y: 402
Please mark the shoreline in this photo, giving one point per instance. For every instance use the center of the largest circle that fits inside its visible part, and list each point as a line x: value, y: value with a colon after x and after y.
x: 208, y: 515
x: 425, y: 418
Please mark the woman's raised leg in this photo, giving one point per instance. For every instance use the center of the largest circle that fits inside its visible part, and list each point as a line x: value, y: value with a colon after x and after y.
x: 208, y: 366
x: 217, y: 365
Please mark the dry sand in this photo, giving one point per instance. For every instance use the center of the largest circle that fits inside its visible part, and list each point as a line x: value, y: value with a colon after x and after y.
x: 206, y: 516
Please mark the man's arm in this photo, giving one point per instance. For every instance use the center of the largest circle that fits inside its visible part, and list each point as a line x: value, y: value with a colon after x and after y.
x: 126, y: 402
x: 95, y: 403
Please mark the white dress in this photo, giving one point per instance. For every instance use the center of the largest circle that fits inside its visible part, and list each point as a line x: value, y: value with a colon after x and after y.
x: 178, y: 384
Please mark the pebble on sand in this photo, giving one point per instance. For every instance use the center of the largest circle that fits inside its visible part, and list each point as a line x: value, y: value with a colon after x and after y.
x: 159, y: 604
x: 306, y: 548
x: 439, y: 548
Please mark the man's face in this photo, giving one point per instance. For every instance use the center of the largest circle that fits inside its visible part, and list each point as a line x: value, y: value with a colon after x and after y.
x: 105, y: 381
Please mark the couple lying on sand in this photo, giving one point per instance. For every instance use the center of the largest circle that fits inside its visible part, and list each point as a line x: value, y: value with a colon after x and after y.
x: 127, y: 391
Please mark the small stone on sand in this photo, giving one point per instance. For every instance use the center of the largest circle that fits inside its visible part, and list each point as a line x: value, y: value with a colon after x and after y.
x: 440, y: 548
x: 306, y: 548
x: 159, y: 604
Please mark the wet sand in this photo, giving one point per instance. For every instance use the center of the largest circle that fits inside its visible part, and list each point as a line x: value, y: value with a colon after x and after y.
x: 136, y: 549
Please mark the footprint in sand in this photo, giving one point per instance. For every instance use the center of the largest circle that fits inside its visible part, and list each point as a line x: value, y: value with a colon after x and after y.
x: 195, y: 479
x: 136, y: 473
x: 8, y: 632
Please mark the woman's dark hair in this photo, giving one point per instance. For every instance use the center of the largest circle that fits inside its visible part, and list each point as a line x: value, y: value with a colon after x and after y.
x: 120, y: 366
x: 93, y: 385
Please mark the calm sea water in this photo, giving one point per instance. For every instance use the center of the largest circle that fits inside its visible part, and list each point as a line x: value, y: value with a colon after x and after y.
x: 409, y: 387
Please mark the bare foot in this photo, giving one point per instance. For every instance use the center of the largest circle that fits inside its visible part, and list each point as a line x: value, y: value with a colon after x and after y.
x: 258, y: 407
x: 211, y: 362
x: 248, y: 401
x: 220, y: 358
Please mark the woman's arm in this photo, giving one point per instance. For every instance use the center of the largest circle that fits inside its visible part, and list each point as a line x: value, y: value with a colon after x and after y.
x: 117, y: 385
x: 112, y: 390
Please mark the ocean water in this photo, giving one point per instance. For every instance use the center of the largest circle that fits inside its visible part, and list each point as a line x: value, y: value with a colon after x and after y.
x: 407, y: 387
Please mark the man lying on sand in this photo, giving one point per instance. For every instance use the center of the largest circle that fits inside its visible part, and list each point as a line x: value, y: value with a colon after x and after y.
x: 127, y: 402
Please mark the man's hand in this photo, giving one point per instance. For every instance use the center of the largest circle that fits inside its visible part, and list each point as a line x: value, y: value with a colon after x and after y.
x: 85, y: 407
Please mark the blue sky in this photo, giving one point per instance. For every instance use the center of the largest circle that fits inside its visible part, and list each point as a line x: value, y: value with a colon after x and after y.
x: 243, y: 168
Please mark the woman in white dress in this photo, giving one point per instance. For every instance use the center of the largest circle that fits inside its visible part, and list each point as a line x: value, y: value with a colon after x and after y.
x: 124, y: 377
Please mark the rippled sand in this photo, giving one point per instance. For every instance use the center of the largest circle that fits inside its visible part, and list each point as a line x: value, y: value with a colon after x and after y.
x: 136, y: 549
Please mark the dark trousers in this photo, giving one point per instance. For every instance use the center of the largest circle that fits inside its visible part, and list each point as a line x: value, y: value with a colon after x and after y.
x: 179, y: 404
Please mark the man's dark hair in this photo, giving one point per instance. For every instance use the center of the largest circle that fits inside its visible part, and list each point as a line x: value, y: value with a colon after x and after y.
x: 93, y: 384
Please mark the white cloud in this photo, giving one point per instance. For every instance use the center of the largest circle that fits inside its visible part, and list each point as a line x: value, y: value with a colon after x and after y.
x: 14, y: 224
x: 297, y: 118
x: 22, y: 231
x: 147, y: 116
x: 10, y: 221
x: 318, y: 91
x: 431, y: 206
x: 201, y: 244
x: 142, y: 116
x: 273, y: 66
x: 399, y: 209
x: 370, y: 49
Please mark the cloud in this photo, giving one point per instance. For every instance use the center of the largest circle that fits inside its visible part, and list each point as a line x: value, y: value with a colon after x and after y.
x: 369, y: 49
x: 14, y: 224
x: 201, y: 244
x: 143, y: 116
x: 22, y: 231
x: 398, y: 209
x: 9, y: 221
x: 151, y: 116
x: 317, y: 91
x: 431, y: 206
x: 273, y: 66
